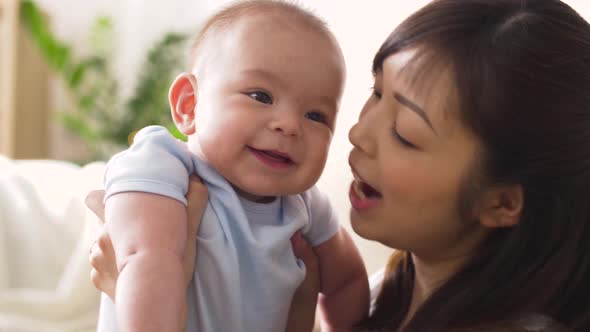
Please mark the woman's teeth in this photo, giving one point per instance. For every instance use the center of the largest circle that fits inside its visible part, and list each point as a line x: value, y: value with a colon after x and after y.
x: 358, y: 189
x: 365, y: 191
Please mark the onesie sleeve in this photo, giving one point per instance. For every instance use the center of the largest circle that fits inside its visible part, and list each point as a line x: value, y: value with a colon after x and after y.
x: 323, y: 221
x: 156, y: 163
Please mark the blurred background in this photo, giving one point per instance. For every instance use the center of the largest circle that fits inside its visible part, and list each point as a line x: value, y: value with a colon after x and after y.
x: 78, y: 78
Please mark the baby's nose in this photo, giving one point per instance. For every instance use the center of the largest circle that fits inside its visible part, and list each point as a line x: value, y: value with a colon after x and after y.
x: 287, y: 124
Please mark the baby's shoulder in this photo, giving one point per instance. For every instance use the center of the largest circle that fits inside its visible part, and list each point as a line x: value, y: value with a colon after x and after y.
x: 315, y: 197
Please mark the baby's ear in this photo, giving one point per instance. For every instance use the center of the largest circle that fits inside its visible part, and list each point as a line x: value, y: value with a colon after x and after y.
x: 183, y: 101
x: 500, y: 206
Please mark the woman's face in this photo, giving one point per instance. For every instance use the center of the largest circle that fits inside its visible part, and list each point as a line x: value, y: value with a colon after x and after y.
x: 410, y: 159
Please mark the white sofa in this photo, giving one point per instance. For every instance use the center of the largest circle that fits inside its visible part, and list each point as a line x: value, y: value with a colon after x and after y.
x: 45, y: 232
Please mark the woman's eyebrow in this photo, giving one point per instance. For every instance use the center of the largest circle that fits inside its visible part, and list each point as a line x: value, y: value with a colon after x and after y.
x: 413, y: 107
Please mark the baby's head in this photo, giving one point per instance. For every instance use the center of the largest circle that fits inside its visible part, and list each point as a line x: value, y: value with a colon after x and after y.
x: 261, y: 101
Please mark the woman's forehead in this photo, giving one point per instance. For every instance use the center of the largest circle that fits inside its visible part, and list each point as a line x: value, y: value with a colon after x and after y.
x: 425, y: 79
x: 419, y: 70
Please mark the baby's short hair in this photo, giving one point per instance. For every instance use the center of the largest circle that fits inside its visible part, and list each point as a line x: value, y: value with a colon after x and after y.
x: 240, y: 9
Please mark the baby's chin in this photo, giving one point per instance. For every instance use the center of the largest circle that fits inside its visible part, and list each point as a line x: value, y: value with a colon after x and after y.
x: 255, y: 198
x: 258, y: 193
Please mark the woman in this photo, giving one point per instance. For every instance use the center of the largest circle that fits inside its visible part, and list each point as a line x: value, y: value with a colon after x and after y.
x: 472, y: 157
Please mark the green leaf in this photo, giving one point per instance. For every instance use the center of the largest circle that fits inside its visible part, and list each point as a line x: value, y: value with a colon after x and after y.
x: 101, y: 118
x: 78, y: 126
x: 176, y: 133
x: 55, y: 52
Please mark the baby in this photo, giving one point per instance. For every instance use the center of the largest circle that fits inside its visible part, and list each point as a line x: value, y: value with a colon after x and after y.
x: 259, y: 109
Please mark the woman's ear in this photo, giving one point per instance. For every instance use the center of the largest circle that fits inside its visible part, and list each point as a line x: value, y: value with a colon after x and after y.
x: 500, y: 206
x: 183, y: 102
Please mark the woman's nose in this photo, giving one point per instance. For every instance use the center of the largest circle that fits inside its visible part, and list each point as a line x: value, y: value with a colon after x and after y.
x: 362, y: 135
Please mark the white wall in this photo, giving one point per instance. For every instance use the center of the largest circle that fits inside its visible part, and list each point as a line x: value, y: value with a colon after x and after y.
x: 359, y: 26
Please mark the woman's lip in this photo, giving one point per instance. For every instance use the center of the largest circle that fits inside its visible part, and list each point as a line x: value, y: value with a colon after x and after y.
x: 357, y: 176
x: 360, y: 203
x: 271, y: 162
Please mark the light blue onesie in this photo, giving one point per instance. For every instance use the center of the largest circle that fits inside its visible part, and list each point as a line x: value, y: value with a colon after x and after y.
x: 245, y: 273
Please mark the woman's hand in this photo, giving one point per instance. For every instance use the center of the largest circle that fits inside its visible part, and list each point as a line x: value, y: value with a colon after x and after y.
x: 104, y: 272
x: 303, y: 305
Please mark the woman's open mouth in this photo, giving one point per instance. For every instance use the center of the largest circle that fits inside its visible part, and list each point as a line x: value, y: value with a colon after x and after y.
x: 273, y: 159
x: 362, y: 196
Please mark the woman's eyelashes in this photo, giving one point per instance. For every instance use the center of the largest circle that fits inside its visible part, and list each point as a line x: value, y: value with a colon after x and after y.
x: 402, y: 140
x: 376, y: 92
x: 261, y: 96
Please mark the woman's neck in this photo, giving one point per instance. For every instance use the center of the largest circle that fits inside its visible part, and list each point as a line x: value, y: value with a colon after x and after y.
x: 429, y: 275
x: 431, y: 271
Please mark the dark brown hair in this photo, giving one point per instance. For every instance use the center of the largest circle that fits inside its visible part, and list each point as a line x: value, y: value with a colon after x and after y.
x: 522, y: 75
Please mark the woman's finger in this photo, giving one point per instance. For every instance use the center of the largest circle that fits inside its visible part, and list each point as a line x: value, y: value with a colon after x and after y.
x: 102, y: 255
x: 102, y: 258
x: 104, y: 282
x: 95, y: 202
x: 303, y: 250
x: 303, y: 304
x: 197, y: 202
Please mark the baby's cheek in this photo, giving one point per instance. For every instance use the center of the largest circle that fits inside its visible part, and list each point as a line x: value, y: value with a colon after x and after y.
x: 317, y: 161
x: 195, y: 146
x: 214, y: 153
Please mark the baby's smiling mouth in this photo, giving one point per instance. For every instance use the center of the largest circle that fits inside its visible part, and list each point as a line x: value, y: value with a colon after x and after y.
x: 272, y: 157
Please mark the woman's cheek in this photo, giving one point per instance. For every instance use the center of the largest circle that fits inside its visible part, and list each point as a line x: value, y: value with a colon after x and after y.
x: 404, y: 180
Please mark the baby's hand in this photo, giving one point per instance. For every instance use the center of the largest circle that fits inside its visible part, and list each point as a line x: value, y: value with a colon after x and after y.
x: 102, y: 257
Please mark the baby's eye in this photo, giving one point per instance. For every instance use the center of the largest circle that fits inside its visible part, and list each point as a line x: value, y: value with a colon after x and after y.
x: 261, y: 96
x: 317, y: 117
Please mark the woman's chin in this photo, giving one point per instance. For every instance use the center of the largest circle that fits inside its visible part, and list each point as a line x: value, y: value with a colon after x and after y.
x: 359, y: 226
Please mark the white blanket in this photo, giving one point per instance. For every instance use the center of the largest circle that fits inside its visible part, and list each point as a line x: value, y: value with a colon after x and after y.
x: 45, y: 233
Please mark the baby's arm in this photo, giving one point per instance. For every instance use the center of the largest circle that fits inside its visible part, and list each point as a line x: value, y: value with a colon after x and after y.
x: 149, y: 235
x: 146, y: 221
x: 344, y: 294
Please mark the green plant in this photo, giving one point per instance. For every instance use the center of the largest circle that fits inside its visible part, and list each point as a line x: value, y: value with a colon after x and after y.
x: 100, y: 116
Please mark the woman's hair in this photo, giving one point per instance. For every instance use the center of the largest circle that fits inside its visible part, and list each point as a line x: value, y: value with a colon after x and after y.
x: 522, y: 76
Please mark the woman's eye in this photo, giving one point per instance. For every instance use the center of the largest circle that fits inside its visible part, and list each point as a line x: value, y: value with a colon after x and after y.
x: 316, y: 116
x: 402, y: 140
x: 261, y: 97
x: 376, y: 92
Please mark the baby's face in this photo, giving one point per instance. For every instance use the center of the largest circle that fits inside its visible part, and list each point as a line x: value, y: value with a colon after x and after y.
x: 267, y: 102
